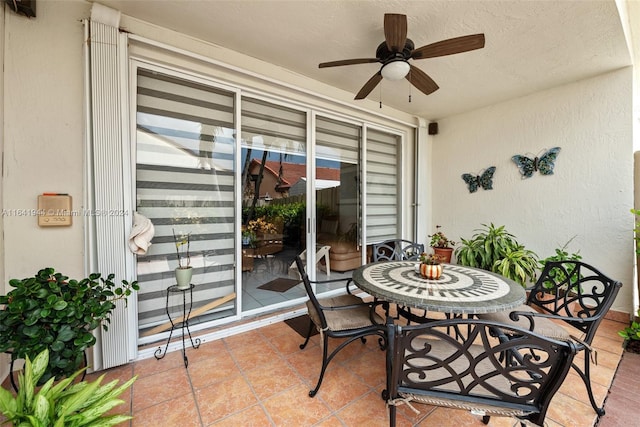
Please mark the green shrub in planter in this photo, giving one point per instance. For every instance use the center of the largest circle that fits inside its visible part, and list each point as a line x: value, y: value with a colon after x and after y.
x: 558, y: 274
x: 63, y: 403
x: 51, y: 311
x: 495, y: 249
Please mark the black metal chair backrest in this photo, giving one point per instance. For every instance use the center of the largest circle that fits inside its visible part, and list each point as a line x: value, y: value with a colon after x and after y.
x: 473, y: 370
x: 576, y: 291
x: 312, y: 296
x: 397, y: 250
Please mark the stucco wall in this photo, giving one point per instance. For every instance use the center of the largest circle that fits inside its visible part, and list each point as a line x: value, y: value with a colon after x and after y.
x: 43, y: 133
x: 589, y: 195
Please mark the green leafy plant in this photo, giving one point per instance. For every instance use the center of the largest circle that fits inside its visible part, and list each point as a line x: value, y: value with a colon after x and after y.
x: 439, y: 240
x: 631, y: 332
x: 495, y: 249
x: 557, y: 273
x: 51, y: 311
x: 518, y: 264
x: 63, y: 403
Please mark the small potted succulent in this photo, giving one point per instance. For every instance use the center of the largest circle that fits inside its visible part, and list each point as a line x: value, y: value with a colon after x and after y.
x: 430, y: 266
x: 442, y: 245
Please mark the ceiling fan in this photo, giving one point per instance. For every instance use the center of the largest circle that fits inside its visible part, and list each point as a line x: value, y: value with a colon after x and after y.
x: 396, y: 51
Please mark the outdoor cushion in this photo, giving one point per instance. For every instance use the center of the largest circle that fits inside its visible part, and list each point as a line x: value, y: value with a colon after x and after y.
x: 542, y: 325
x: 340, y: 320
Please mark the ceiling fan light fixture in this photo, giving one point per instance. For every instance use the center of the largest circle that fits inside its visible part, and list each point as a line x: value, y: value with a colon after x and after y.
x: 395, y: 70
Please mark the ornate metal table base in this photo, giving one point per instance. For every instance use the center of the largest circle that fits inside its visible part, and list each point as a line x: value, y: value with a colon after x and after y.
x: 183, y: 323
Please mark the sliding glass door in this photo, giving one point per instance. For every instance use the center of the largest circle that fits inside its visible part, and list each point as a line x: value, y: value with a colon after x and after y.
x: 185, y: 156
x: 230, y: 175
x: 338, y: 246
x: 273, y: 182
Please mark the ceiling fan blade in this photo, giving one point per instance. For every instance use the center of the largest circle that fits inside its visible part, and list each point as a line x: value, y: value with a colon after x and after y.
x: 421, y: 81
x: 368, y: 86
x: 395, y: 31
x: 449, y: 47
x: 348, y: 62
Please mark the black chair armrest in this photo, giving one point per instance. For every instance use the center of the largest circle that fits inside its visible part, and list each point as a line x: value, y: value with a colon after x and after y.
x: 515, y: 315
x: 321, y: 282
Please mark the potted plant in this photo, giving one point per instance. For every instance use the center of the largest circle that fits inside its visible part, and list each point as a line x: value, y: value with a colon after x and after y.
x: 495, y: 249
x: 442, y: 245
x: 430, y: 266
x: 248, y: 238
x: 62, y: 404
x: 183, y: 271
x: 557, y: 273
x: 51, y: 311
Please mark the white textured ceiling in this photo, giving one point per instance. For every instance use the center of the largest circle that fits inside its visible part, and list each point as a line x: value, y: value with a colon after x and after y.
x: 530, y: 45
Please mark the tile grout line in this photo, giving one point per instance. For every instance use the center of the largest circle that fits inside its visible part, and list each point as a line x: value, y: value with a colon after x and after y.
x: 195, y: 397
x: 246, y: 379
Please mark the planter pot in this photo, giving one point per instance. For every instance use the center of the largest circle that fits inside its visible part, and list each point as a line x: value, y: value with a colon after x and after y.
x: 443, y: 253
x: 183, y: 277
x: 632, y: 346
x: 431, y: 271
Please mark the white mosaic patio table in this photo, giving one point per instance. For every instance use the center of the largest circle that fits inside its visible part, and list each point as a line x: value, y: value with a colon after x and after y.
x: 460, y: 290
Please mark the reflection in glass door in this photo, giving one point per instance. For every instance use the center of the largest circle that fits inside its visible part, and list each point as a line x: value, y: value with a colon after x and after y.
x: 338, y: 211
x: 273, y: 182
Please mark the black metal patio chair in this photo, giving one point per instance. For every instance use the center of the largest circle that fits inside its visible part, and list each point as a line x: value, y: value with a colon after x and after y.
x: 574, y: 293
x: 345, y: 317
x: 396, y: 250
x: 400, y: 250
x: 467, y: 370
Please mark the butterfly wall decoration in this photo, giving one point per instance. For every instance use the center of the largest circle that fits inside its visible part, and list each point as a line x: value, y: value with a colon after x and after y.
x: 544, y: 163
x: 484, y: 180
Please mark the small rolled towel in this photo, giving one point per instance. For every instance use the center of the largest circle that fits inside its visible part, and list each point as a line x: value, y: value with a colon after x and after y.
x: 141, y: 234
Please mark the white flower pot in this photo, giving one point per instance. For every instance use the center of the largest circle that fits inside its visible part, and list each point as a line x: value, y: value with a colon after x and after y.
x: 183, y: 277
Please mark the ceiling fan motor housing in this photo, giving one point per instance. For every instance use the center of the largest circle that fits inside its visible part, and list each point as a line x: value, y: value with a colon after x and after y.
x: 385, y: 56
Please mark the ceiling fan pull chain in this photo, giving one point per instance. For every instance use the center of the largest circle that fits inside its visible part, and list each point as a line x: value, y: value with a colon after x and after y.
x: 410, y: 84
x: 380, y: 94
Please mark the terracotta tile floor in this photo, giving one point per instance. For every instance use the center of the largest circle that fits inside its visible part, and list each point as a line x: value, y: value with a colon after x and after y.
x: 262, y: 378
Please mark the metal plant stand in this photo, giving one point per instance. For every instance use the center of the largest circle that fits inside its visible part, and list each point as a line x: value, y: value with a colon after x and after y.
x: 182, y: 323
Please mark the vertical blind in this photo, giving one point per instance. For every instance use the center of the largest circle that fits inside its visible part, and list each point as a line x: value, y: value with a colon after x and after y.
x: 185, y: 185
x: 383, y: 186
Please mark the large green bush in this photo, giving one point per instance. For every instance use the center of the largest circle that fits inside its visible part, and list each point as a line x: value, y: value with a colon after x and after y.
x: 51, y: 311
